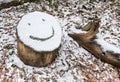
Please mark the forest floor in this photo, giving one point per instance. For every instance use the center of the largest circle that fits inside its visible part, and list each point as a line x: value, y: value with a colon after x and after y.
x: 74, y: 63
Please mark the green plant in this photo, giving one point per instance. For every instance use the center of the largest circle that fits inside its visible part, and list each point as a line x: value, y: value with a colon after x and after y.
x: 77, y: 25
x: 53, y: 2
x: 13, y: 65
x: 11, y: 53
x: 23, y: 7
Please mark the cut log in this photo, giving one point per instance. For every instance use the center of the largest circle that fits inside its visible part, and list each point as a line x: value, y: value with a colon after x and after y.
x: 38, y: 39
x: 90, y: 45
x: 34, y: 58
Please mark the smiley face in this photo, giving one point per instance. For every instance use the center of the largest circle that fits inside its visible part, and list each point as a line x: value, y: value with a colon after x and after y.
x: 39, y: 31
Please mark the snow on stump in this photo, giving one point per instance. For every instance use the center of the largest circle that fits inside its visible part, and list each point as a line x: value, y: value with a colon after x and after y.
x: 38, y: 39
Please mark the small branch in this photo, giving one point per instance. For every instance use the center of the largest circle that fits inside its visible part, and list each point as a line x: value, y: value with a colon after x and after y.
x: 92, y: 28
x: 86, y: 41
x: 87, y: 27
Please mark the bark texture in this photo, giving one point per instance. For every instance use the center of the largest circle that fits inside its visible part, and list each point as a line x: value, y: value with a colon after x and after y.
x: 33, y: 58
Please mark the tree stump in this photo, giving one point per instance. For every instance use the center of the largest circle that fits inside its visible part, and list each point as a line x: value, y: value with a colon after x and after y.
x: 38, y: 39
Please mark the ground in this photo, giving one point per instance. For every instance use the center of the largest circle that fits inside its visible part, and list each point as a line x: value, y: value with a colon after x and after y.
x: 73, y: 63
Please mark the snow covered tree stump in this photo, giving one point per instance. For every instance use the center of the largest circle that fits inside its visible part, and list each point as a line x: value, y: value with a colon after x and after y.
x: 38, y: 39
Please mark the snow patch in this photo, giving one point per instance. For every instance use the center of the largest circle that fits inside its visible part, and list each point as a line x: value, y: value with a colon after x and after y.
x: 77, y: 30
x: 106, y: 46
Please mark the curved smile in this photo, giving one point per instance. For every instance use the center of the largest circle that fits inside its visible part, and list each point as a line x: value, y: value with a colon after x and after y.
x: 42, y: 39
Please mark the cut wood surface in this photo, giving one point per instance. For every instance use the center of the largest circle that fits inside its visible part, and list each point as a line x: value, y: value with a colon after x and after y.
x: 87, y: 42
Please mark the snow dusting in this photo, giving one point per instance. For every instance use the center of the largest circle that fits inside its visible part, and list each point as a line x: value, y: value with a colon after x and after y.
x: 73, y: 63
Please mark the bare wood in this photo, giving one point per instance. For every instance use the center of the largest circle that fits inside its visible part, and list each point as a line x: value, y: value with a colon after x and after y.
x: 91, y: 25
x: 95, y: 49
x: 97, y: 52
x: 33, y: 58
x: 92, y: 28
x: 86, y: 41
x: 92, y: 31
x: 87, y: 27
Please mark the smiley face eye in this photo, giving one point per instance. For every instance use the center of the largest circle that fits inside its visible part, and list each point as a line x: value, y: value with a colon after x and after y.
x: 43, y: 19
x: 29, y: 24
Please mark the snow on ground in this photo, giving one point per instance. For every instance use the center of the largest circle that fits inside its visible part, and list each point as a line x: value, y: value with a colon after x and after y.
x: 106, y: 46
x: 73, y: 64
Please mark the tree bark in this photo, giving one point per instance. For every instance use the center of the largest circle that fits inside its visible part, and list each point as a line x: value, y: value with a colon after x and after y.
x: 33, y: 58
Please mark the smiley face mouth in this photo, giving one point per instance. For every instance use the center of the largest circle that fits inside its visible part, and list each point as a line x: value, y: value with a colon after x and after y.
x: 42, y: 39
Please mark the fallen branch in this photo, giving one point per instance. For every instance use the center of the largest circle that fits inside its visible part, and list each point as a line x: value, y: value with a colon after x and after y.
x: 92, y: 28
x: 87, y: 42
